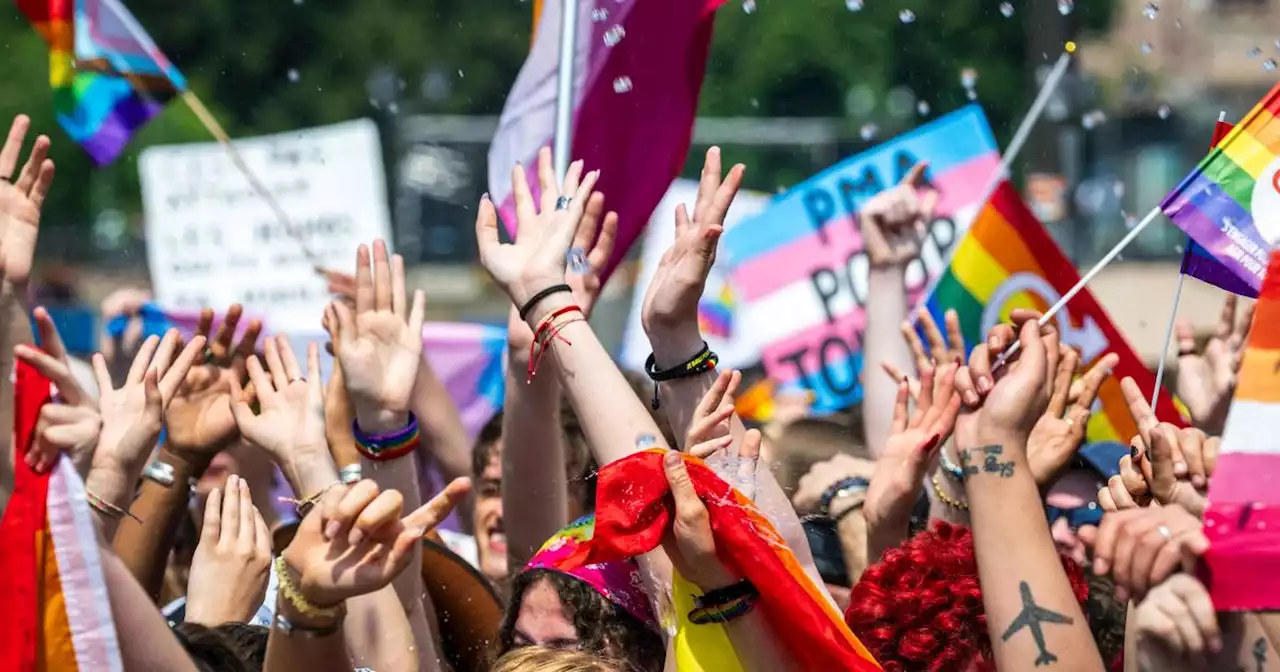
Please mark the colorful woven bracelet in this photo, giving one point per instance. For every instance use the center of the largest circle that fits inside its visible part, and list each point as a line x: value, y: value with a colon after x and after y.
x: 383, y: 447
x: 723, y: 613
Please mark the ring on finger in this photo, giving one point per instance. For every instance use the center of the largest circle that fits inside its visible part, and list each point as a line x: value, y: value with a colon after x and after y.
x: 1164, y: 531
x: 563, y: 202
x: 208, y: 354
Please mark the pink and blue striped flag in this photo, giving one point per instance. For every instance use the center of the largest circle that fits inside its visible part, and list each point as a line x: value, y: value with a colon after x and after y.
x: 638, y: 68
x: 799, y: 270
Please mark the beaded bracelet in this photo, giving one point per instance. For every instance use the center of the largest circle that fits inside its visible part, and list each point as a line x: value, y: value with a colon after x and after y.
x: 947, y: 499
x: 384, y: 447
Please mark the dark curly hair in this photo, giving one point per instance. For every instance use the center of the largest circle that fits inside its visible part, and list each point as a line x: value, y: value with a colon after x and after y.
x: 920, y: 607
x: 604, y: 629
x: 230, y: 647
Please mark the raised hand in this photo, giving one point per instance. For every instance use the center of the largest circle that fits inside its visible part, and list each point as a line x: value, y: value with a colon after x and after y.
x: 72, y: 425
x: 1176, y: 627
x: 231, y: 565
x: 1002, y: 407
x: 536, y: 260
x: 355, y: 541
x: 670, y: 310
x: 915, y: 439
x: 199, y: 420
x: 1207, y: 378
x: 379, y: 347
x: 338, y: 413
x: 895, y: 220
x: 709, y: 431
x: 20, y: 202
x: 290, y: 421
x: 1058, y: 433
x: 133, y: 415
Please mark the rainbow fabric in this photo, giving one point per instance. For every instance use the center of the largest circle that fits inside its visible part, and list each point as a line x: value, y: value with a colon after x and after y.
x: 108, y: 77
x: 799, y: 270
x: 52, y: 589
x: 639, y: 67
x: 1007, y: 261
x: 1198, y: 263
x: 634, y: 510
x: 1230, y: 203
x: 1243, y: 517
x: 715, y: 315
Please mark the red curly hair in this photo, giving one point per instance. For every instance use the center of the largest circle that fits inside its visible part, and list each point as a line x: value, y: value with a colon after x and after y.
x: 920, y: 607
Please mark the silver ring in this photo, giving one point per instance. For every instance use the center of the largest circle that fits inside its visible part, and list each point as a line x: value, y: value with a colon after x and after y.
x: 563, y: 202
x: 1163, y: 530
x: 299, y: 378
x: 1070, y: 422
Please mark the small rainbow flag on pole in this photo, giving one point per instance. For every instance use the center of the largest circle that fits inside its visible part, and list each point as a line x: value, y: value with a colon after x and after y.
x: 1230, y: 203
x: 1242, y: 518
x: 1008, y: 261
x: 108, y: 77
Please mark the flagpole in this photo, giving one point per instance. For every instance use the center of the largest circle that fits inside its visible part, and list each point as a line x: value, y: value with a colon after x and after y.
x: 1168, y: 337
x: 215, y: 129
x: 563, y: 147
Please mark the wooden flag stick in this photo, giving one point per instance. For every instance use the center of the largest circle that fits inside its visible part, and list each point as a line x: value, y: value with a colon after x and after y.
x: 215, y: 129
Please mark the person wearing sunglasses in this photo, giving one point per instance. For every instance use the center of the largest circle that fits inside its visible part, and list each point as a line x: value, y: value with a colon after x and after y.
x: 1072, y: 503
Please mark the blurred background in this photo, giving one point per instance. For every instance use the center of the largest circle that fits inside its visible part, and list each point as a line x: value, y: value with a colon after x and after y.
x: 792, y: 86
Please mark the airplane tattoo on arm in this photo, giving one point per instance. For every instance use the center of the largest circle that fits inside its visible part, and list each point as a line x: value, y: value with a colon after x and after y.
x: 1034, y: 616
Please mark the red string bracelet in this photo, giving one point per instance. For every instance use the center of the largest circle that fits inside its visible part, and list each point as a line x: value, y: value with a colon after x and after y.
x: 538, y: 348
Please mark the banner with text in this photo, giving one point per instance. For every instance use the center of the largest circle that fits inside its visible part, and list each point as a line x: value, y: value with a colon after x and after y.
x: 799, y: 271
x: 212, y: 241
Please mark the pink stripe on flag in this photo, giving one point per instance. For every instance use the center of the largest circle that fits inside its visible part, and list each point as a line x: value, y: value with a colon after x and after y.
x: 847, y: 328
x: 660, y: 48
x: 796, y: 261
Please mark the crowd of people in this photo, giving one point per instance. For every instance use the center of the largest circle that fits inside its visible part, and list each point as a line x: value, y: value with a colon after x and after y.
x: 955, y: 520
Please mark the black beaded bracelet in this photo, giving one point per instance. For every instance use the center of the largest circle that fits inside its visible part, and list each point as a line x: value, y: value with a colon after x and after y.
x: 533, y: 300
x: 704, y: 361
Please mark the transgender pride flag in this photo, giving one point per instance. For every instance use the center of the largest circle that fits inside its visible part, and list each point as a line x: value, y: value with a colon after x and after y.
x: 799, y: 271
x: 637, y: 74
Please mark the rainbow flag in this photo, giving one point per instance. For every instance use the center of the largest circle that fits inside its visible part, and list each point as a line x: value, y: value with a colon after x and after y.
x: 1198, y: 263
x: 639, y: 66
x: 52, y: 589
x: 1007, y: 261
x: 1243, y: 517
x: 715, y: 315
x: 108, y: 77
x: 798, y: 268
x: 1230, y: 203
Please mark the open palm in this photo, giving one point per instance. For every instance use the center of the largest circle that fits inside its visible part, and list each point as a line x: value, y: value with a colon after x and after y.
x: 290, y: 420
x: 21, y: 200
x: 1207, y: 378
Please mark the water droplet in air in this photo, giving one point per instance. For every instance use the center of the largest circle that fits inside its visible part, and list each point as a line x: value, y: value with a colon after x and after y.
x: 922, y: 108
x: 622, y: 84
x: 1269, y: 64
x: 1163, y: 111
x: 1006, y: 8
x: 1065, y: 7
x: 907, y: 16
x: 599, y: 14
x: 393, y: 108
x: 297, y: 2
x: 614, y: 35
x: 461, y: 75
x: 1177, y: 23
x: 749, y: 6
x: 968, y: 78
x: 1253, y: 52
x: 1150, y: 11
x: 853, y: 5
x: 1092, y: 119
x: 293, y: 75
x: 755, y: 103
x: 1146, y: 47
x: 868, y: 131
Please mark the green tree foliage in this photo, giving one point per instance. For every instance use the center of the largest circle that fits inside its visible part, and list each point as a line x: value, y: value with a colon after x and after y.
x: 270, y: 65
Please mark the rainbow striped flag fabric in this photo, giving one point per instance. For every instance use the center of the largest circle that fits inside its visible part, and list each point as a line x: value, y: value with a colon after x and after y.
x: 1242, y: 520
x: 1006, y: 261
x: 1230, y: 203
x: 639, y: 65
x: 798, y: 268
x: 53, y: 593
x: 108, y: 77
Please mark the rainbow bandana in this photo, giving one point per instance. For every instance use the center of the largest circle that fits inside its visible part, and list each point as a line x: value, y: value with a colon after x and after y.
x: 618, y: 581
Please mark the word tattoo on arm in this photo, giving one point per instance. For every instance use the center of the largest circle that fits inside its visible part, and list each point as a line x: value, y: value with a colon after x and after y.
x: 1033, y: 617
x: 991, y: 463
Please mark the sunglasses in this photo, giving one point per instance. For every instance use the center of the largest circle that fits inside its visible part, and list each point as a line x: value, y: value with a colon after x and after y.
x: 1077, y: 517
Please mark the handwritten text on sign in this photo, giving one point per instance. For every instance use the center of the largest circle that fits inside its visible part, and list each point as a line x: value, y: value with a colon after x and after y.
x: 212, y: 241
x: 800, y: 267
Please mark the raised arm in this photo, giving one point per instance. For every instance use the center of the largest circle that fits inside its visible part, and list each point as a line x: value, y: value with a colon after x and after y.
x: 1033, y: 615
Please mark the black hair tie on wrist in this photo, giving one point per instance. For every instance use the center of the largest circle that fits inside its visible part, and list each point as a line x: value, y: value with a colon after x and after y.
x: 704, y: 361
x: 533, y: 301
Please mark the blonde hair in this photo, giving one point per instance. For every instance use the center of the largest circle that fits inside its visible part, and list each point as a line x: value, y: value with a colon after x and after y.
x: 538, y: 659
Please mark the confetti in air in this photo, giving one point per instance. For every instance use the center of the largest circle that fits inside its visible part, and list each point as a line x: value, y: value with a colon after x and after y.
x: 1006, y: 8
x: 614, y: 35
x: 1163, y: 111
x: 907, y: 16
x: 622, y: 84
x: 1065, y: 7
x: 853, y: 5
x: 868, y: 132
x: 293, y: 75
x: 1253, y: 52
x: 749, y: 6
x: 1146, y: 47
x: 1150, y: 11
x: 922, y: 108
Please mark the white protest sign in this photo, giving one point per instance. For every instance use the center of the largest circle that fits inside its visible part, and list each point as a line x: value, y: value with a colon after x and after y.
x: 212, y: 241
